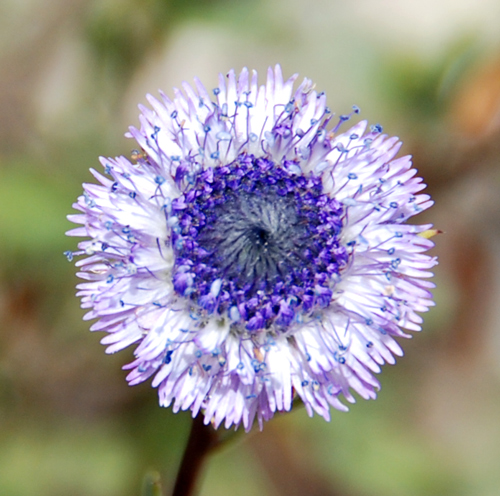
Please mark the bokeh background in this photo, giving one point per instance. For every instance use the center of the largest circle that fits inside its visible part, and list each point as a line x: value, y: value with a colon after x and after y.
x: 71, y: 75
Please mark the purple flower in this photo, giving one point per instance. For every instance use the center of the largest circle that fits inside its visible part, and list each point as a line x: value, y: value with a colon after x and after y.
x: 252, y: 253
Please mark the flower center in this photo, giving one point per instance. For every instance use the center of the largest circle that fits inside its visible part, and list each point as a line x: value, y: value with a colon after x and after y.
x: 255, y: 237
x: 257, y: 241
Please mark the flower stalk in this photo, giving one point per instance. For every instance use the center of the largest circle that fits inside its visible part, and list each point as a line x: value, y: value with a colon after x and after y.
x: 201, y: 442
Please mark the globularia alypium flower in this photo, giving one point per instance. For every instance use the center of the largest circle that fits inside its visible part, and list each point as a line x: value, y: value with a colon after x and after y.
x: 253, y: 252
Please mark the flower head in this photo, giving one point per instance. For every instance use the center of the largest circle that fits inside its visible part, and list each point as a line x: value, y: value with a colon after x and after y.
x: 254, y: 253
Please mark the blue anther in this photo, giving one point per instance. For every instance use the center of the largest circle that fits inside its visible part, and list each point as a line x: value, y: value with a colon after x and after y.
x: 168, y: 357
x: 69, y: 255
x: 332, y: 390
x: 395, y: 263
x: 156, y: 131
x: 89, y: 201
x: 159, y: 180
x: 256, y: 365
x: 216, y: 91
x: 339, y: 358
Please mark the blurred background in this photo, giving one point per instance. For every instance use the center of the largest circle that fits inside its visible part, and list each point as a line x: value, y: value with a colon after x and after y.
x: 72, y: 73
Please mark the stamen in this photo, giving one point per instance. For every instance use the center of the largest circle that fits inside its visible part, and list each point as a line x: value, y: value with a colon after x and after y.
x: 260, y: 241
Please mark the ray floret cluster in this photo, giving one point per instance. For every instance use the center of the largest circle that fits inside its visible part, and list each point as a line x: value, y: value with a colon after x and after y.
x: 253, y: 252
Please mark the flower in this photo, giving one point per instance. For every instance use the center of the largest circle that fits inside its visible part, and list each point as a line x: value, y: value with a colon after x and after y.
x: 254, y: 253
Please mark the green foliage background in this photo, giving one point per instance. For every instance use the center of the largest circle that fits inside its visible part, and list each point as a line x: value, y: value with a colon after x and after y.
x: 72, y: 75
